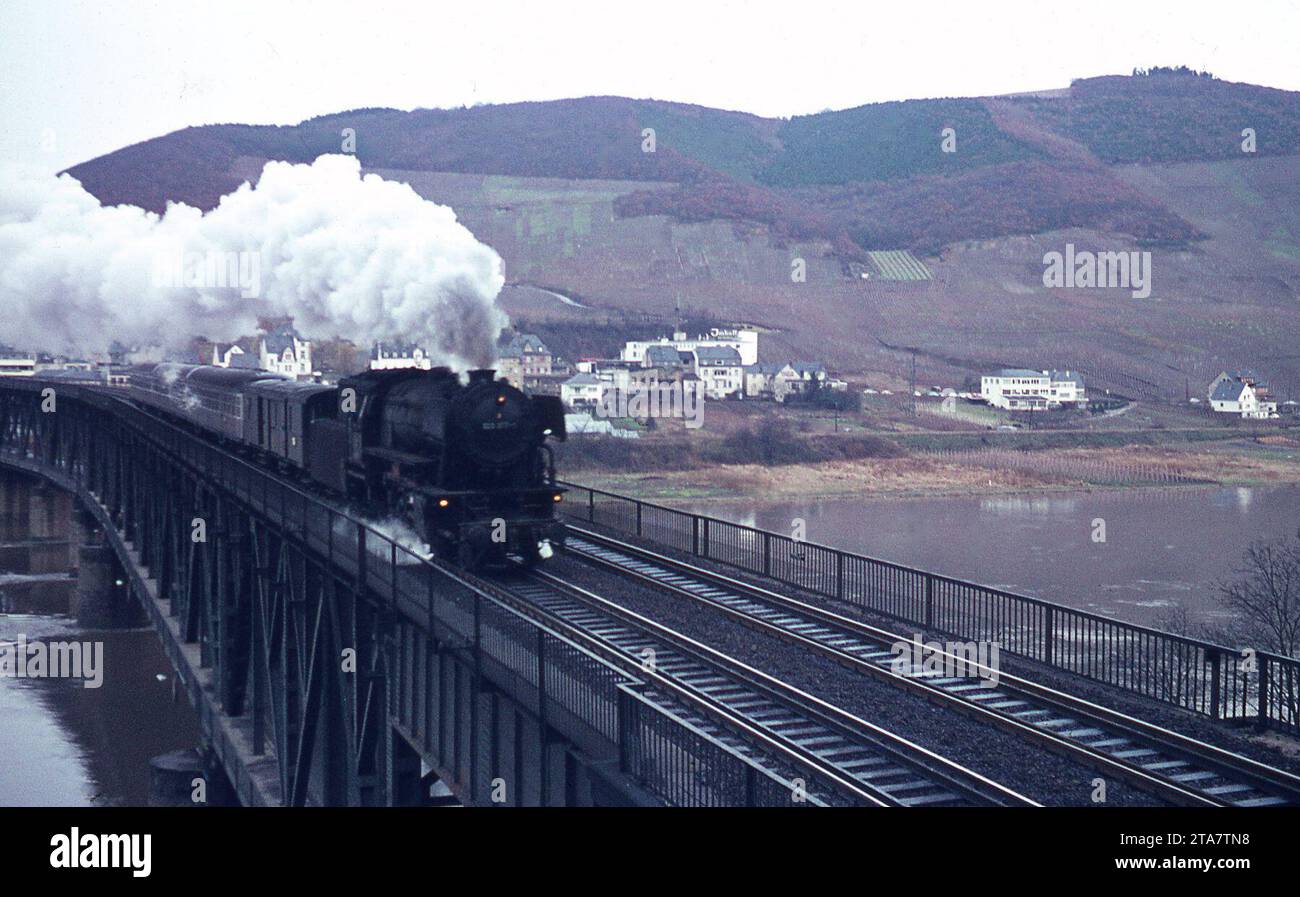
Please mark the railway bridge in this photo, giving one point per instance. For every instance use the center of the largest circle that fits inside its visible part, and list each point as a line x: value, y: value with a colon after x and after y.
x: 330, y: 665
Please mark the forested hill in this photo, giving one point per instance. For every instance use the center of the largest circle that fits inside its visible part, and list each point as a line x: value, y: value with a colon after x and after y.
x: 876, y: 176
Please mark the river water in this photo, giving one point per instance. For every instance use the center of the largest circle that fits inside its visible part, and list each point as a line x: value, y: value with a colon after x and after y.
x: 1162, y: 548
x: 61, y: 743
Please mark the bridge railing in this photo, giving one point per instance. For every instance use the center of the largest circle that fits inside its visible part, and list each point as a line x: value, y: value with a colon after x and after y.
x: 665, y: 753
x: 672, y: 758
x: 703, y: 771
x: 1189, y: 673
x: 677, y: 761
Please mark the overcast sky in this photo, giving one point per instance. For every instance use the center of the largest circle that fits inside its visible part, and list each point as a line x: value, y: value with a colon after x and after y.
x: 78, y: 79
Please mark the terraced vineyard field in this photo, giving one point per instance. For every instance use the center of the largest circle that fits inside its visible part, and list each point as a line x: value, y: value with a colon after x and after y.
x: 899, y: 264
x: 1056, y: 465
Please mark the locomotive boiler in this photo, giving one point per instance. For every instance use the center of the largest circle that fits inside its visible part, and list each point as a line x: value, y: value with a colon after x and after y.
x: 465, y: 464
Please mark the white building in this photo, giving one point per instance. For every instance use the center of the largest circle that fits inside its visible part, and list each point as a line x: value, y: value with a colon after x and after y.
x: 759, y: 380
x: 720, y: 371
x: 798, y: 377
x: 744, y: 342
x: 396, y: 355
x: 582, y: 391
x: 1248, y: 399
x: 778, y: 381
x: 1018, y: 389
x: 282, y: 351
x: 14, y: 363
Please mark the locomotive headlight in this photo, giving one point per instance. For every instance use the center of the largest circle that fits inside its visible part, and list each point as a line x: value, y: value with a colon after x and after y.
x: 557, y: 497
x: 501, y: 400
x: 443, y: 502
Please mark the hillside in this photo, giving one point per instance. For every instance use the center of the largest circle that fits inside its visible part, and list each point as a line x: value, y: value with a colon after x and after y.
x: 867, y: 178
x: 708, y: 224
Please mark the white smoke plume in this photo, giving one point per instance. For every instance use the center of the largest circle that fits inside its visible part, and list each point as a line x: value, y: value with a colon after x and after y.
x: 344, y: 255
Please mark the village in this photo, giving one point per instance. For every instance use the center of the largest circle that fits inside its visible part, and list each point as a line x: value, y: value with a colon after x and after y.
x: 620, y: 396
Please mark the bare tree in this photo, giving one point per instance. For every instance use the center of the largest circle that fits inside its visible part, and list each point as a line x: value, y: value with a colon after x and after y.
x: 1266, y: 595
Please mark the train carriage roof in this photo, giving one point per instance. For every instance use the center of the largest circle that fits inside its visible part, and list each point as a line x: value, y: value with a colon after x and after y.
x: 229, y: 378
x: 293, y: 390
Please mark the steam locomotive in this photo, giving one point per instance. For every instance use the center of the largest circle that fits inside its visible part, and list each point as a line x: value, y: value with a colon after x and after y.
x: 467, y: 465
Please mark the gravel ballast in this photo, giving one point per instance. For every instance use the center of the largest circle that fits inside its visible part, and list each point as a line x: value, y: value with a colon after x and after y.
x: 1030, y: 769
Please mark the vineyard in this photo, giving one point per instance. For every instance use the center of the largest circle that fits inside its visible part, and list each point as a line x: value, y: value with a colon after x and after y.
x: 1091, y: 471
x: 899, y: 264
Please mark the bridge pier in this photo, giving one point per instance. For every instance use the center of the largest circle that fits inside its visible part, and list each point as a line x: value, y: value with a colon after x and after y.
x: 174, y: 776
x: 171, y: 778
x: 37, y: 532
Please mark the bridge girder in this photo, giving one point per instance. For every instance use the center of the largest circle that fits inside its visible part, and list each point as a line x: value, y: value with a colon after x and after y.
x: 317, y: 679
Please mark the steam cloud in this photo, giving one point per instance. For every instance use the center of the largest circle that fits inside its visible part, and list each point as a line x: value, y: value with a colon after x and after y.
x: 344, y: 255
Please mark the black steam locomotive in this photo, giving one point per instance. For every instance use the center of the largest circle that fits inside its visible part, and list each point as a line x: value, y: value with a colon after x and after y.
x: 466, y: 465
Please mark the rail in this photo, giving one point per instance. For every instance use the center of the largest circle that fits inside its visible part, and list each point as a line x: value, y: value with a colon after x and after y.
x: 1192, y: 674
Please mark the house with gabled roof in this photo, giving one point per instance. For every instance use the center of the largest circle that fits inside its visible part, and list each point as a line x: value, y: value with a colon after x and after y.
x: 720, y: 371
x: 525, y: 361
x: 759, y: 379
x: 664, y: 356
x: 582, y: 391
x: 280, y: 350
x: 1247, y: 396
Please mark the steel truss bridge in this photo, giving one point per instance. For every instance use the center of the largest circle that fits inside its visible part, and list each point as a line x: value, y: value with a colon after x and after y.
x: 329, y: 665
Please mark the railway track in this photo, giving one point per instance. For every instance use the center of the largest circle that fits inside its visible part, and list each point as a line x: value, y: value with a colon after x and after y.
x: 853, y: 761
x: 1170, y: 765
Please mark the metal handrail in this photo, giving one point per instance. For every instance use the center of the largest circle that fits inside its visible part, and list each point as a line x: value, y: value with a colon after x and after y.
x: 1037, y: 627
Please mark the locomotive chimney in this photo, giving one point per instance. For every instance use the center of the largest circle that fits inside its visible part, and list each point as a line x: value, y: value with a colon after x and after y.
x: 482, y: 375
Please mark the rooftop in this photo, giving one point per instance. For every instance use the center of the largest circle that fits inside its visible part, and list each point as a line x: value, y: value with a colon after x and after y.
x: 717, y: 355
x: 1228, y: 391
x: 808, y: 367
x: 524, y: 343
x: 662, y: 355
x: 582, y: 380
x: 395, y: 349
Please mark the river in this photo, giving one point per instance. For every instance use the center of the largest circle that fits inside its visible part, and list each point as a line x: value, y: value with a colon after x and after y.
x: 1163, y: 548
x: 61, y: 743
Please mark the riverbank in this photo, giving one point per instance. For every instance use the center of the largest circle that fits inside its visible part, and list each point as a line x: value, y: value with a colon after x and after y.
x: 1235, y: 463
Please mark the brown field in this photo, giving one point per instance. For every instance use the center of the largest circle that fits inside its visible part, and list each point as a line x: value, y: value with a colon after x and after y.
x: 1235, y: 463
